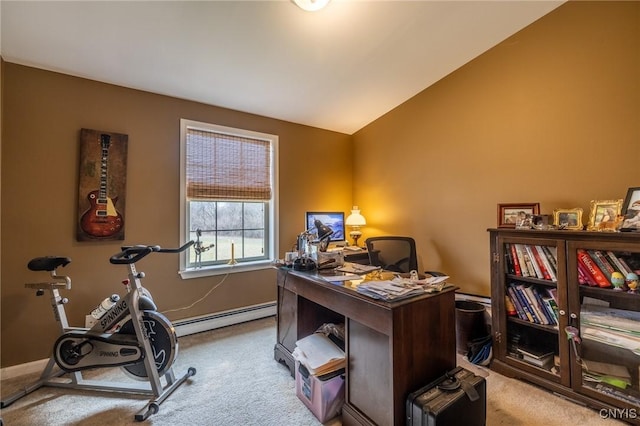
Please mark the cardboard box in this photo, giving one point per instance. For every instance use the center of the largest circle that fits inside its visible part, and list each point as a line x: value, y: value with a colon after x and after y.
x: 324, y: 396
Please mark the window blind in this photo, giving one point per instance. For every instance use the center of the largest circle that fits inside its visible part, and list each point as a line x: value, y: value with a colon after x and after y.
x: 223, y: 166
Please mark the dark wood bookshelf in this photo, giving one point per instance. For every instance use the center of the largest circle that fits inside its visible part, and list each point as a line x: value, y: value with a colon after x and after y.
x: 566, y: 379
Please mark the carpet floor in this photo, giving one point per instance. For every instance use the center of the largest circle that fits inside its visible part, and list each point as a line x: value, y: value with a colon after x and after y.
x: 239, y: 383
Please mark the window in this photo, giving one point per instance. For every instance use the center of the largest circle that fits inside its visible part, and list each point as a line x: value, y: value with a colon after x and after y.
x: 228, y: 198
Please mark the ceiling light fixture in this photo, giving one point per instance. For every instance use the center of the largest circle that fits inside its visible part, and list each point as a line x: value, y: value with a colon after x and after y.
x: 311, y: 5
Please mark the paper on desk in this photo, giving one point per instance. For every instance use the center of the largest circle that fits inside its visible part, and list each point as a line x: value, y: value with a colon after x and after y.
x: 344, y: 277
x: 355, y: 268
x: 433, y: 280
x: 390, y: 290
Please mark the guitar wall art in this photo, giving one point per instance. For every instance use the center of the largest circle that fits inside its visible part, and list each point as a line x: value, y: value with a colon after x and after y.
x: 102, y: 184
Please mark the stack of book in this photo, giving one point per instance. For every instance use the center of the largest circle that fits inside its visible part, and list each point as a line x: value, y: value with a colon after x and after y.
x: 533, y: 304
x: 534, y: 261
x: 596, y: 266
x: 542, y: 359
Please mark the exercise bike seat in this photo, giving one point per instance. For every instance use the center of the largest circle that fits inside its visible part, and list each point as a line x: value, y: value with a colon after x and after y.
x: 47, y: 263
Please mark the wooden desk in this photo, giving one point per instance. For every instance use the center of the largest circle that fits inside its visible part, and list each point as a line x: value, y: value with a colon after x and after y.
x: 392, y: 349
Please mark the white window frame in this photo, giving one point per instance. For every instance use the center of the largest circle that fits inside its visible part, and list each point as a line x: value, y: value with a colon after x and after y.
x: 272, y: 243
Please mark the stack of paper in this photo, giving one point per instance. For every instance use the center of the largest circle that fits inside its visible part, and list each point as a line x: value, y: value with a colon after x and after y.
x: 613, y: 374
x: 611, y: 326
x: 356, y: 268
x: 390, y: 290
x: 319, y: 354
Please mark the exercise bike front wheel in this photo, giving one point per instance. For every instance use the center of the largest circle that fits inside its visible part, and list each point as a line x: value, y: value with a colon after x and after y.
x: 163, y: 341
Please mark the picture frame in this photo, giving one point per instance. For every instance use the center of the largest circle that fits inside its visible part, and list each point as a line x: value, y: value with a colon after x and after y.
x: 508, y: 213
x: 102, y: 181
x: 603, y: 214
x: 570, y: 219
x: 631, y: 211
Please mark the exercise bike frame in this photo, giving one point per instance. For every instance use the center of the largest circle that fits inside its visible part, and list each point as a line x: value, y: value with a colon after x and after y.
x: 52, y: 375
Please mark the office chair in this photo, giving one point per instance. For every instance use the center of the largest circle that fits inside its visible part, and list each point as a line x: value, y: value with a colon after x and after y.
x: 393, y: 253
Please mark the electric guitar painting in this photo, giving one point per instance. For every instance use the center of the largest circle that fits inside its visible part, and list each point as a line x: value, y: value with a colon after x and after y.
x: 102, y: 219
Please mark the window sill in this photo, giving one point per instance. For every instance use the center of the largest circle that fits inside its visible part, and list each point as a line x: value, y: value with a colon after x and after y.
x: 224, y: 269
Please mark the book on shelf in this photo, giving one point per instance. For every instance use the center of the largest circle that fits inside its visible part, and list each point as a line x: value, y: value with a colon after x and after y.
x: 526, y: 260
x: 519, y: 309
x: 584, y: 277
x: 521, y: 260
x: 509, y: 306
x: 552, y: 256
x: 529, y: 316
x: 632, y: 398
x: 627, y: 266
x: 534, y: 262
x: 539, y: 305
x: 602, y: 263
x: 548, y: 270
x: 533, y: 304
x: 622, y: 268
x: 542, y: 359
x: 508, y: 261
x: 592, y: 268
x: 552, y: 307
x: 514, y: 259
x: 544, y: 308
x: 522, y: 290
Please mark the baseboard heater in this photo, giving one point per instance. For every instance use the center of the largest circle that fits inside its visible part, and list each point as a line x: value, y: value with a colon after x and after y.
x: 182, y: 327
x: 223, y: 319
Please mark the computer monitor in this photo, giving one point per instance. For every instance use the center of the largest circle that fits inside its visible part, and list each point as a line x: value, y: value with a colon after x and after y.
x: 334, y: 220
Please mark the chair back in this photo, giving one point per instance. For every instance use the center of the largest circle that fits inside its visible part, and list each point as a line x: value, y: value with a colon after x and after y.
x: 393, y: 253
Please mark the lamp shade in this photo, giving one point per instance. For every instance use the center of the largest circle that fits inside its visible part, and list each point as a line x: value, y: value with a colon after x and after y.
x: 355, y: 218
x: 311, y: 5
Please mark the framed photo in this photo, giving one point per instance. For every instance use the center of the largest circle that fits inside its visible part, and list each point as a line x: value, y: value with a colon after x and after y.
x: 604, y: 214
x: 631, y: 210
x: 101, y: 186
x: 510, y: 214
x: 568, y: 219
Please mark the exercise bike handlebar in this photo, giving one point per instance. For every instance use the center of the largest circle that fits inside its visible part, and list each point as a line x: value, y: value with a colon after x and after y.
x: 132, y: 254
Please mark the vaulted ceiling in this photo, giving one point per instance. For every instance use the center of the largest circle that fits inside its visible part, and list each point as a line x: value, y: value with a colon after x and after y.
x: 337, y: 69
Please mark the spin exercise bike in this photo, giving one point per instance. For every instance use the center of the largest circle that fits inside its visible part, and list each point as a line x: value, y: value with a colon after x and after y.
x: 131, y: 335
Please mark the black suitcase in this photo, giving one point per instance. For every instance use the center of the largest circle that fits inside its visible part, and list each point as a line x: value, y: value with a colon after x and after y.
x: 457, y: 398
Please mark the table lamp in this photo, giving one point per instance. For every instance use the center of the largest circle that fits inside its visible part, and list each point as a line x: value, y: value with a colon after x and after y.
x: 324, y: 234
x: 355, y: 220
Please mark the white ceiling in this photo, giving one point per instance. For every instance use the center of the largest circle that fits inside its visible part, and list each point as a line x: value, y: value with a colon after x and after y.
x: 337, y: 69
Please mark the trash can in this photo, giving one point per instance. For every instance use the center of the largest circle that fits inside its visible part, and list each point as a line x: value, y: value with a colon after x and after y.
x: 469, y: 324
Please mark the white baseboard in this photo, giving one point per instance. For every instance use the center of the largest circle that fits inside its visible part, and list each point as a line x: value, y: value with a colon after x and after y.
x: 183, y: 328
x: 223, y: 319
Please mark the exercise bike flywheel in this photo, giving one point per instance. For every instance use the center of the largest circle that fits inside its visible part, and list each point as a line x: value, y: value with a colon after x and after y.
x: 163, y: 340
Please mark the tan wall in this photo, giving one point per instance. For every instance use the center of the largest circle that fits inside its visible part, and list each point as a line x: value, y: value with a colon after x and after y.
x: 43, y: 115
x: 551, y: 115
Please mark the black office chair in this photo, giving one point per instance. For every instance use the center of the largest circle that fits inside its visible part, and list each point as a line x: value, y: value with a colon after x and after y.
x: 393, y: 253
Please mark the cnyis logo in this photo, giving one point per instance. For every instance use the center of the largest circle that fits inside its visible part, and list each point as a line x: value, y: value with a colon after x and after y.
x: 114, y: 314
